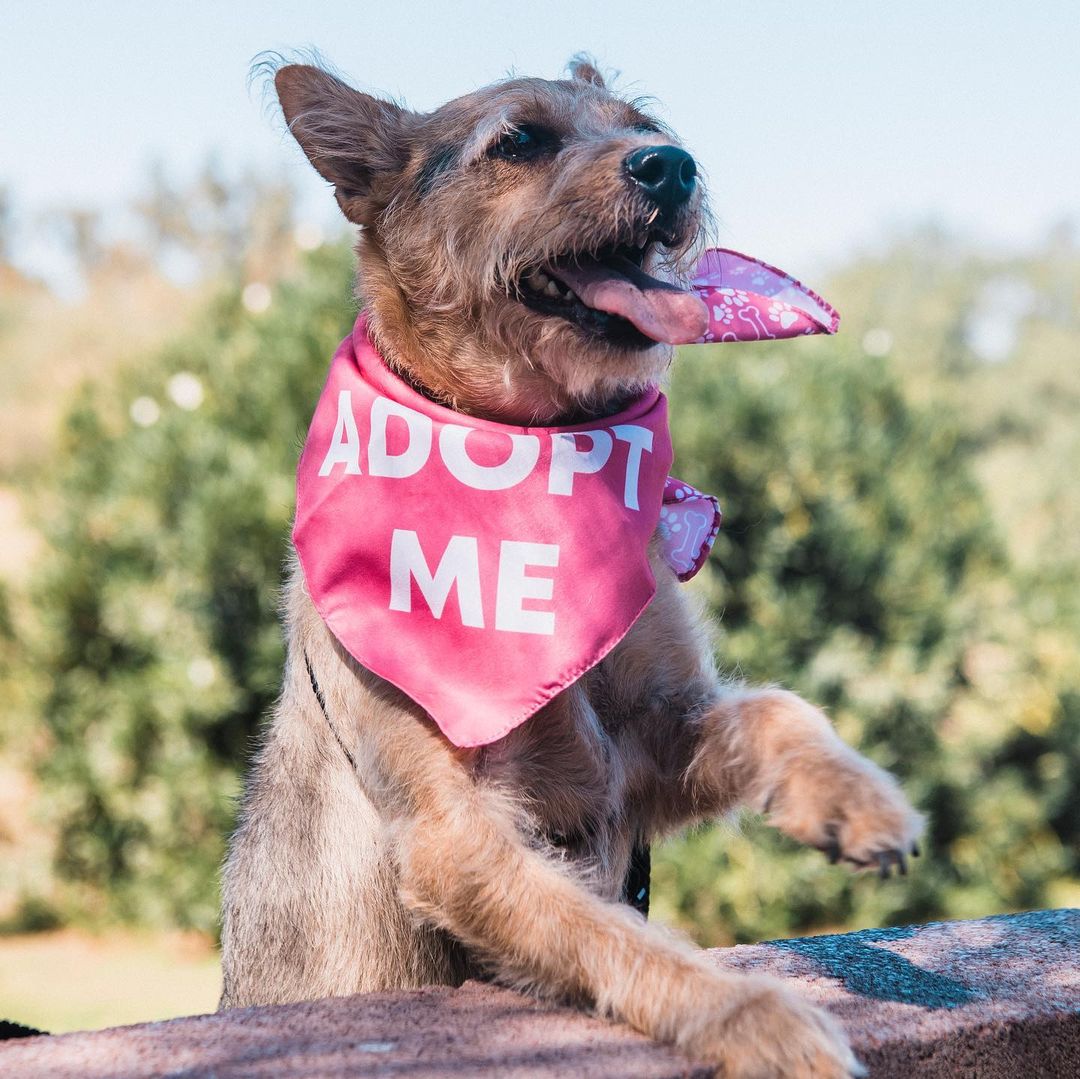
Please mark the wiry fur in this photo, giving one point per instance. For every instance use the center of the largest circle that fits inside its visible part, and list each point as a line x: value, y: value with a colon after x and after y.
x: 373, y: 854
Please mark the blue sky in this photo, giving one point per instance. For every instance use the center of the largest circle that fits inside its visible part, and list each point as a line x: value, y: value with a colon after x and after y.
x: 821, y: 127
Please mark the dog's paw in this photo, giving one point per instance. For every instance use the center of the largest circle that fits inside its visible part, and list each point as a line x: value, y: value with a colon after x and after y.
x: 772, y: 1033
x: 847, y: 807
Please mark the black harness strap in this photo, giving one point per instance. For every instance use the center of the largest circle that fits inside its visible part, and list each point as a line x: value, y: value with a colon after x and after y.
x: 8, y: 1029
x: 326, y: 715
x: 636, y: 885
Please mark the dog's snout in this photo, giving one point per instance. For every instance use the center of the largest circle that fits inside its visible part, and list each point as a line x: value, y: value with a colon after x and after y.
x: 665, y: 173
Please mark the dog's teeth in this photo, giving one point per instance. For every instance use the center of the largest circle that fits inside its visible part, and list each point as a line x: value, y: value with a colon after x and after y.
x: 538, y: 281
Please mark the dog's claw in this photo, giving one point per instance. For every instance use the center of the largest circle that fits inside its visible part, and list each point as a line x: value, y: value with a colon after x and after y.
x: 886, y: 859
x: 915, y: 850
x: 831, y: 847
x: 831, y: 851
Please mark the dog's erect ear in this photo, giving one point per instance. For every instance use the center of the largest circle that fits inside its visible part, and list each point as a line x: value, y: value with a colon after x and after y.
x: 355, y: 141
x: 583, y: 68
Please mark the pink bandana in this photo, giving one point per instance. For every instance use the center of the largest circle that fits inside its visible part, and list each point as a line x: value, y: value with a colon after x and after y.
x: 480, y: 567
x: 750, y: 300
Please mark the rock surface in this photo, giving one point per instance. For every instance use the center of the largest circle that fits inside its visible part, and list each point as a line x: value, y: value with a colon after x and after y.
x: 995, y: 997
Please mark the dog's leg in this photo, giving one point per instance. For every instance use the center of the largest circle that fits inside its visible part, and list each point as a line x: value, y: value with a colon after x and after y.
x: 464, y: 868
x: 716, y: 746
x: 463, y: 865
x: 772, y: 751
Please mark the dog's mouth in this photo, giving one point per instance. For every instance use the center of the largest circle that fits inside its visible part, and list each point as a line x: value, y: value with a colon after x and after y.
x: 608, y: 294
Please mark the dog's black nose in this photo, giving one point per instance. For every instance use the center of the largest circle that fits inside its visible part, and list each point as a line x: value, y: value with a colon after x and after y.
x: 665, y: 173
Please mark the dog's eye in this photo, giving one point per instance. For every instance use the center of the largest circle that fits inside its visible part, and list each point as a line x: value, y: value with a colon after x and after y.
x: 647, y: 127
x: 525, y: 143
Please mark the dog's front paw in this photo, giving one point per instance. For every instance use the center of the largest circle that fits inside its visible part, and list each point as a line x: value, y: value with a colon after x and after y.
x: 772, y: 1033
x: 838, y: 801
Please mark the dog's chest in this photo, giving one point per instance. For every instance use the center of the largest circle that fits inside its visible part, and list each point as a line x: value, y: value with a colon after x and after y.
x: 575, y: 764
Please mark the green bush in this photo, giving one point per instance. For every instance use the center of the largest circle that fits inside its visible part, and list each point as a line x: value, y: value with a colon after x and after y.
x: 161, y: 640
x: 857, y: 564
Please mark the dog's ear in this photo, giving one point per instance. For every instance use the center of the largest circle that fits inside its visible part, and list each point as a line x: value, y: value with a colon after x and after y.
x: 583, y: 68
x: 355, y: 141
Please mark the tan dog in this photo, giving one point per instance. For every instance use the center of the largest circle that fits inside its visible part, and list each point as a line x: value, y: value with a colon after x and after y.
x: 373, y: 854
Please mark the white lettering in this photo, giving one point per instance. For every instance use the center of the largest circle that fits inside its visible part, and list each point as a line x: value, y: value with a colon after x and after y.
x: 567, y: 459
x: 414, y: 456
x: 460, y: 565
x: 640, y: 440
x: 524, y: 453
x: 515, y: 587
x: 345, y: 445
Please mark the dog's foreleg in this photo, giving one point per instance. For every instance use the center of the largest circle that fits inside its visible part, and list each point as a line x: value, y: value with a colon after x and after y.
x: 463, y: 866
x: 772, y: 751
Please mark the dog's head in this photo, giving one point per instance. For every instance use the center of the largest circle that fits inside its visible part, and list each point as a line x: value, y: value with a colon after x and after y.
x: 509, y: 238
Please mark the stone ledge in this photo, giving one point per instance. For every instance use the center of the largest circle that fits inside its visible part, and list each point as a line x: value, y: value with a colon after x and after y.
x: 990, y: 998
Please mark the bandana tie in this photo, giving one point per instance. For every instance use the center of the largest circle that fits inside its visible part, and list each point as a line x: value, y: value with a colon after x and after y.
x: 482, y: 567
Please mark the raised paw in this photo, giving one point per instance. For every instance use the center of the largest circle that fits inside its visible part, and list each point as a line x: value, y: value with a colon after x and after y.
x: 846, y: 806
x: 772, y: 1033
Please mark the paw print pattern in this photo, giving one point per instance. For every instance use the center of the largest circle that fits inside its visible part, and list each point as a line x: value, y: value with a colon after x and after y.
x: 726, y: 303
x: 783, y: 313
x: 689, y: 524
x: 752, y: 311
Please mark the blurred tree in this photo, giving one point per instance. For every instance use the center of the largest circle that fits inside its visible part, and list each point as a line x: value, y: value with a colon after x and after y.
x: 858, y: 563
x: 168, y: 523
x: 81, y: 231
x: 997, y: 338
x: 217, y: 223
x: 7, y: 224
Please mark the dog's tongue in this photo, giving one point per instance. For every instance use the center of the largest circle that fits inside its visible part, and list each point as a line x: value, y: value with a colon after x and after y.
x: 618, y: 287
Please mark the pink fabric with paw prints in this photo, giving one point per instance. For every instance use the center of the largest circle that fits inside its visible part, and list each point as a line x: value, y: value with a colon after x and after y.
x: 750, y: 300
x: 689, y: 523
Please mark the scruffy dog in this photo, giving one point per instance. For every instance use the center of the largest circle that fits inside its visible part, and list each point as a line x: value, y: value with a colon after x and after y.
x: 372, y: 853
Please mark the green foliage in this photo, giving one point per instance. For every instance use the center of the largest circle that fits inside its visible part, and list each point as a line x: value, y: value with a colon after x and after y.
x: 160, y: 639
x: 856, y: 565
x: 859, y: 563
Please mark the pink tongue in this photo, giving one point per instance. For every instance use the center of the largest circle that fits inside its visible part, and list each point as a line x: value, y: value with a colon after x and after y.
x: 618, y: 287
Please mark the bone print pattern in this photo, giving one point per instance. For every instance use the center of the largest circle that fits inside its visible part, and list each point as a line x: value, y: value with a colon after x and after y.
x: 749, y: 300
x: 689, y: 523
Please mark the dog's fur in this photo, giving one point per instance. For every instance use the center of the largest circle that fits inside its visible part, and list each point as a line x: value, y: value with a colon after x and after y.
x: 373, y: 854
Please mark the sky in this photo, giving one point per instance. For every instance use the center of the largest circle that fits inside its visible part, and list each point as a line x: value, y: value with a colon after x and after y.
x: 822, y: 128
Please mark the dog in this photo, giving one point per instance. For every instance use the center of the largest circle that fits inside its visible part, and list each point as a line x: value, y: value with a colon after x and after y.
x: 372, y: 852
